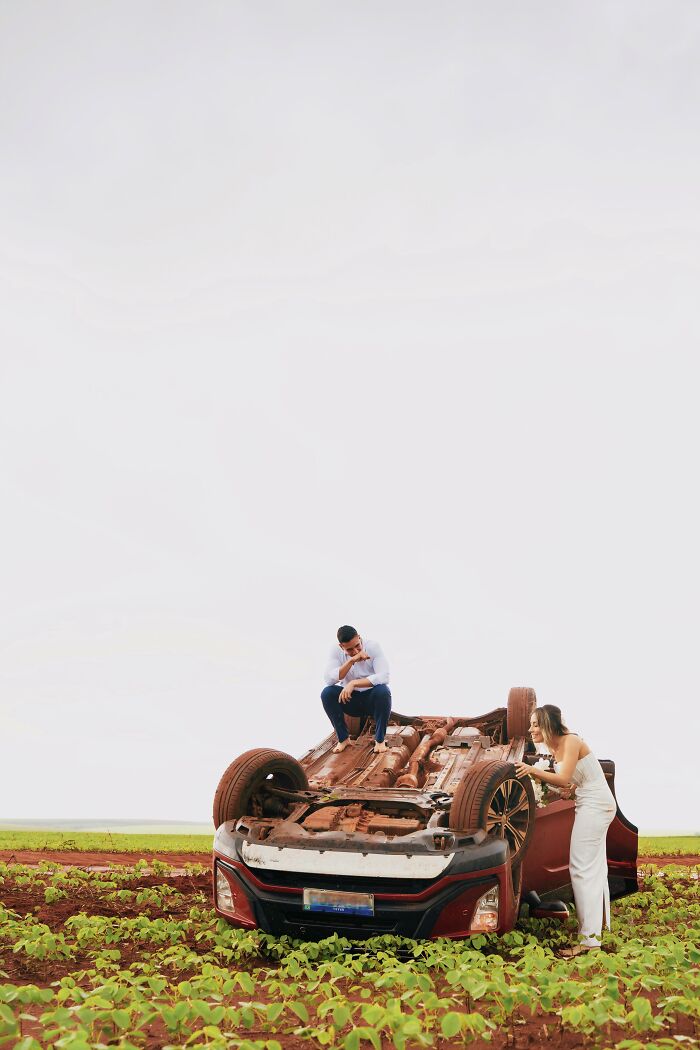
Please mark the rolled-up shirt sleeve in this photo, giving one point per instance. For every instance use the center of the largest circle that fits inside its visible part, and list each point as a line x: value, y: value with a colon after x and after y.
x: 331, y: 675
x: 380, y: 665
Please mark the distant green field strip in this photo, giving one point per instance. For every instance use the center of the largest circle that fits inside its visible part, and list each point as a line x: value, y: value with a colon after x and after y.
x: 668, y: 846
x: 95, y: 841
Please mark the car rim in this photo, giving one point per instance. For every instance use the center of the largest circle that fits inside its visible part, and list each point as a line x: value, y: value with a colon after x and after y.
x: 509, y: 814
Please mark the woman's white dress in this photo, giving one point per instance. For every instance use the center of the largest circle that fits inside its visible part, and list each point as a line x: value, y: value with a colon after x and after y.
x: 588, y: 861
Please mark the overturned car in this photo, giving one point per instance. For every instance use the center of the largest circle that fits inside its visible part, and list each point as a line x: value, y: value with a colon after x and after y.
x: 435, y: 837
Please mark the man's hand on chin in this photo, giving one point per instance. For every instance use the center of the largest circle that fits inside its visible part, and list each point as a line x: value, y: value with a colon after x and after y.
x: 346, y: 693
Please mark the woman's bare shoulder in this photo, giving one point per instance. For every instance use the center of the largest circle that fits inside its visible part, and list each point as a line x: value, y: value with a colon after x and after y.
x: 583, y: 748
x: 574, y: 744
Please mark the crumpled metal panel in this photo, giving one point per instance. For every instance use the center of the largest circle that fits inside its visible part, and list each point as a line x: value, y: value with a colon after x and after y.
x: 431, y: 753
x: 356, y: 817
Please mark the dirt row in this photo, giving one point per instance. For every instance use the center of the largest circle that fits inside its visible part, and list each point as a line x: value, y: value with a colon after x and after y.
x: 85, y: 859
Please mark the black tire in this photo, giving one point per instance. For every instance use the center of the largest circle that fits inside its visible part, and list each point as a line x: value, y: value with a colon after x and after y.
x: 236, y: 794
x: 521, y: 703
x: 492, y: 798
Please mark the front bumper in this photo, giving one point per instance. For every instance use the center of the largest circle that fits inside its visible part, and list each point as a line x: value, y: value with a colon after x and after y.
x: 415, y: 894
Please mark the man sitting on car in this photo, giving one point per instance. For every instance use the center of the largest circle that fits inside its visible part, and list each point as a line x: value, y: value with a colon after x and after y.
x: 357, y: 675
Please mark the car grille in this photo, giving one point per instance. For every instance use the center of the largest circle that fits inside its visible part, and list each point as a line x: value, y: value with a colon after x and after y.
x: 295, y: 922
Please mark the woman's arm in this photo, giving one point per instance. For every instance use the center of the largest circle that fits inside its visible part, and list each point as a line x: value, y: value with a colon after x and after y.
x: 566, y: 766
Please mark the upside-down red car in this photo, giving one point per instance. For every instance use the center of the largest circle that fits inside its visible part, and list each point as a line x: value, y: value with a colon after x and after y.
x: 435, y: 837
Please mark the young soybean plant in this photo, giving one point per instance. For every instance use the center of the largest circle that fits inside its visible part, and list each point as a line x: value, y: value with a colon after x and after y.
x: 126, y: 981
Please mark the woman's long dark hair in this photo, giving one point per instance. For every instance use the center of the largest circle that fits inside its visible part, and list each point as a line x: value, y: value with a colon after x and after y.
x: 548, y: 718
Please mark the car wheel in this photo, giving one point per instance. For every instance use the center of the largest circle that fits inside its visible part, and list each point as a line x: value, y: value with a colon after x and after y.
x: 241, y: 788
x: 521, y: 703
x: 491, y: 797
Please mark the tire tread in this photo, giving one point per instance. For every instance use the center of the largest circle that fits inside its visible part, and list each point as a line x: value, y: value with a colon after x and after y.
x: 231, y: 790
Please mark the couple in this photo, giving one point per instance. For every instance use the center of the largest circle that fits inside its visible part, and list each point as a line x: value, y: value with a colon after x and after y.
x: 357, y: 677
x: 576, y: 765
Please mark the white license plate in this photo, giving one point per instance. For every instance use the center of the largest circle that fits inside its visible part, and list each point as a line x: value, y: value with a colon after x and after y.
x: 339, y: 901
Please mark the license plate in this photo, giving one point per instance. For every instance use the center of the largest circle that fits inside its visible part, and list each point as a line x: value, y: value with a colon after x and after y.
x: 339, y: 901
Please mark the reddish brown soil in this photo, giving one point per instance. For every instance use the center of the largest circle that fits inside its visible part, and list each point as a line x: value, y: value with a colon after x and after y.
x: 689, y: 860
x: 29, y: 899
x: 84, y: 859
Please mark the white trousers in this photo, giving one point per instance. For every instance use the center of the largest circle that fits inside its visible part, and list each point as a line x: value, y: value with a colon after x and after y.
x: 588, y: 867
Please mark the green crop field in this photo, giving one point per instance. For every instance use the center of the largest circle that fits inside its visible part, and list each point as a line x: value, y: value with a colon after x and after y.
x: 669, y: 845
x: 105, y: 841
x: 128, y: 959
x: 95, y: 841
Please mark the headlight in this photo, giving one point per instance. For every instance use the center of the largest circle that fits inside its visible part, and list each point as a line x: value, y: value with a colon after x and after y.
x: 485, y: 918
x: 224, y: 897
x: 232, y: 900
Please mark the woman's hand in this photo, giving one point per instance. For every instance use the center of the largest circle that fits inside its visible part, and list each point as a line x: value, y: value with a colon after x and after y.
x: 523, y: 770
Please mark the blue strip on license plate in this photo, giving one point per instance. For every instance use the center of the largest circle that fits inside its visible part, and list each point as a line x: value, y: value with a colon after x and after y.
x: 339, y: 901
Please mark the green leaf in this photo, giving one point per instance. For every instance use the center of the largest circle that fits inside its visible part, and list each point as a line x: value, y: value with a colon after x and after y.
x: 274, y: 1010
x: 247, y: 1017
x: 121, y: 1018
x: 300, y: 1010
x: 8, y: 1016
x: 212, y: 1032
x: 642, y: 1007
x: 341, y: 1015
x: 372, y: 1035
x: 412, y: 1027
x: 451, y: 1024
x: 373, y: 1013
x: 246, y: 982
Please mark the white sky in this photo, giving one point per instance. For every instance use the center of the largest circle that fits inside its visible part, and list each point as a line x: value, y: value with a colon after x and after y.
x: 310, y: 313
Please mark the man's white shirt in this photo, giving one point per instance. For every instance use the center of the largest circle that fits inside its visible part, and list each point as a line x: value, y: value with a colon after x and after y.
x: 376, y: 668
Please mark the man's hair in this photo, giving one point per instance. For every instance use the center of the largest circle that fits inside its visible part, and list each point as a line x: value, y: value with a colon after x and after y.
x: 346, y: 633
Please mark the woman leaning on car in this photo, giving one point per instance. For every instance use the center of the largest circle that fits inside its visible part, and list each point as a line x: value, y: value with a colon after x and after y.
x: 575, y: 764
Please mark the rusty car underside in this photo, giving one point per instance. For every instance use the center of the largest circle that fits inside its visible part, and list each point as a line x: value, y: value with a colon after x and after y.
x: 396, y: 793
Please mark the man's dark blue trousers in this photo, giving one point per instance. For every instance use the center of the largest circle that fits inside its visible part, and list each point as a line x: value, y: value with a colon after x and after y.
x: 375, y: 702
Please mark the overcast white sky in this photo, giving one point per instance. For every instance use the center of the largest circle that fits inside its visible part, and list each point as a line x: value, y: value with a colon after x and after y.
x: 311, y: 313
